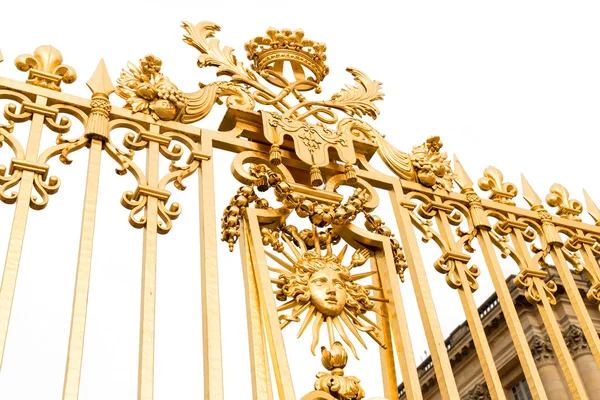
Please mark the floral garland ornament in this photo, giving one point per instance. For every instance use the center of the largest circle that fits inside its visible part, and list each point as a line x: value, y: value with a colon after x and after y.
x: 148, y: 91
x: 432, y: 167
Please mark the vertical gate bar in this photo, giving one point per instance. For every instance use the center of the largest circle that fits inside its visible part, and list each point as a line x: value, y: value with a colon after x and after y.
x: 209, y: 273
x: 511, y: 317
x: 587, y: 325
x: 148, y: 298
x: 482, y: 347
x: 433, y: 331
x: 388, y: 366
x: 406, y: 358
x: 554, y: 333
x: 96, y: 130
x: 482, y: 227
x: 281, y: 367
x: 82, y: 280
x: 259, y: 361
x: 17, y: 233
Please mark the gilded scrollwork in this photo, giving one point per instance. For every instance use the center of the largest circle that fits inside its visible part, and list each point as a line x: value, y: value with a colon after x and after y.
x: 170, y: 147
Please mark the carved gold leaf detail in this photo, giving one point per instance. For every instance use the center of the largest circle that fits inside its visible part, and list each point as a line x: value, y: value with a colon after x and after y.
x: 201, y: 37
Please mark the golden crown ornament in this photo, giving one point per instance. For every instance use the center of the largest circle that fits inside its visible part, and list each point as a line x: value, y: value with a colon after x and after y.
x: 270, y: 54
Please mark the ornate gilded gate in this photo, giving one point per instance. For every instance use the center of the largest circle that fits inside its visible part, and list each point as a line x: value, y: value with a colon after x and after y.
x: 311, y: 257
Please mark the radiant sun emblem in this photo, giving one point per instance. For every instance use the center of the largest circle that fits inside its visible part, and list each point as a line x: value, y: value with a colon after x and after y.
x: 318, y: 288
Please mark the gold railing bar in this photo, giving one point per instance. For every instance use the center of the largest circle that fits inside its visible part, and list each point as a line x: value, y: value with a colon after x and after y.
x: 17, y: 233
x: 511, y: 317
x: 259, y: 360
x: 433, y: 331
x: 388, y: 365
x: 399, y: 323
x: 82, y: 279
x: 565, y: 361
x: 587, y: 325
x: 209, y: 274
x: 482, y: 347
x: 148, y: 296
x: 277, y: 350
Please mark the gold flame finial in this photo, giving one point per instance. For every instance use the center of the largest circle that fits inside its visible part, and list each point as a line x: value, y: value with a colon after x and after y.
x: 100, y: 82
x: 460, y: 175
x: 46, y: 68
x: 529, y: 194
x: 591, y: 207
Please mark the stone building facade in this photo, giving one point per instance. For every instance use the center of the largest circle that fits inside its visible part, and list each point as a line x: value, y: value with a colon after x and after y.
x: 465, y: 364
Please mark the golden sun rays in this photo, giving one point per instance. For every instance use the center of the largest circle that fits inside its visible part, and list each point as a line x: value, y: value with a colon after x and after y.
x: 316, y: 288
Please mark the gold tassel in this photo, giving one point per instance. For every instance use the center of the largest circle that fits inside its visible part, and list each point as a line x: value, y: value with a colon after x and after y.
x: 350, y: 173
x: 316, y: 179
x: 275, y: 155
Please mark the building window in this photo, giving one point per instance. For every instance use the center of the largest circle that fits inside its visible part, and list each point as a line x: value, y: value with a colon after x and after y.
x: 520, y: 391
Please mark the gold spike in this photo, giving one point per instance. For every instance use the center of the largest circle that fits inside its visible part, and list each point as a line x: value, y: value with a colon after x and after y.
x: 307, y: 319
x: 330, y: 331
x: 316, y: 329
x: 280, y: 261
x: 460, y: 175
x: 1, y: 58
x: 592, y: 208
x: 362, y: 275
x: 353, y: 329
x: 293, y: 248
x: 317, y: 243
x: 286, y: 306
x: 343, y: 252
x: 528, y: 194
x: 100, y: 82
x: 338, y: 326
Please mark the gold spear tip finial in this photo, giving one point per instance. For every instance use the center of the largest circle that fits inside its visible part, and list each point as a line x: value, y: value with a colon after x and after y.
x: 1, y: 58
x: 100, y: 82
x: 529, y: 194
x: 460, y: 175
x: 591, y: 207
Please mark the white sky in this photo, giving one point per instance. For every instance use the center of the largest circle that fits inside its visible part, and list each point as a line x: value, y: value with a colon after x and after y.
x: 513, y: 84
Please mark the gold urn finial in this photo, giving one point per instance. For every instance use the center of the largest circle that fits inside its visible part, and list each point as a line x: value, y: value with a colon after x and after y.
x: 270, y: 53
x: 46, y: 68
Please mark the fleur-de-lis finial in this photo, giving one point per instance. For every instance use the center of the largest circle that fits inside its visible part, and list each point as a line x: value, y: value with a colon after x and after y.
x: 592, y: 208
x: 46, y: 68
x: 567, y: 208
x: 501, y: 192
